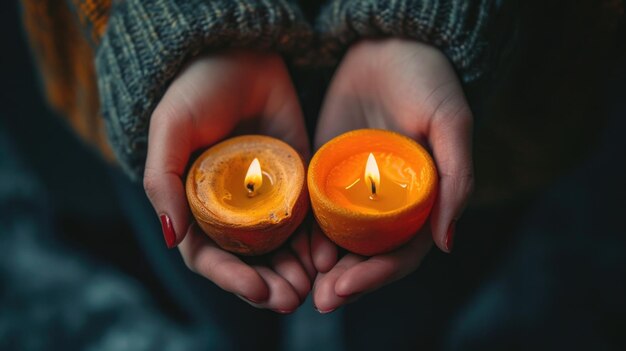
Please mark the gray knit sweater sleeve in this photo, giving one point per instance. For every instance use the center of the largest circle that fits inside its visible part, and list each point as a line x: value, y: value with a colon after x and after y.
x: 147, y: 41
x: 454, y: 26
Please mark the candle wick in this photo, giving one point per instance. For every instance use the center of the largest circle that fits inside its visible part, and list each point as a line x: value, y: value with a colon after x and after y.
x: 250, y: 187
x: 373, y: 186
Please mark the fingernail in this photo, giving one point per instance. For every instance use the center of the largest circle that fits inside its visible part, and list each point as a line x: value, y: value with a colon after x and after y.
x: 282, y: 311
x: 252, y: 300
x: 324, y: 312
x: 450, y: 236
x: 168, y: 231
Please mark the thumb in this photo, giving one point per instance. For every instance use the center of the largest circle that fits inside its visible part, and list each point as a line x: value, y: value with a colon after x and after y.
x: 168, y: 154
x: 451, y: 140
x: 193, y: 113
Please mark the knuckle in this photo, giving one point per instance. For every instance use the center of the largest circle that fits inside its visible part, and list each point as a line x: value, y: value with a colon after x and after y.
x: 462, y: 181
x: 453, y: 108
x: 176, y: 107
x: 448, y: 105
x: 465, y: 181
x: 150, y: 183
x: 164, y: 111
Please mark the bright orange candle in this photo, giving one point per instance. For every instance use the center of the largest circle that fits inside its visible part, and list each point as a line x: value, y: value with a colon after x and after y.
x: 248, y: 193
x: 371, y: 190
x: 349, y: 184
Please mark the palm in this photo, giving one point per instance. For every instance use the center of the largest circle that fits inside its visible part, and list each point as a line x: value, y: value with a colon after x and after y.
x: 412, y: 89
x: 393, y: 85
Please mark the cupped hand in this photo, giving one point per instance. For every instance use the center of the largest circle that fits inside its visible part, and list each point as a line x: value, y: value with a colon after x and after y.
x: 411, y: 88
x: 213, y: 97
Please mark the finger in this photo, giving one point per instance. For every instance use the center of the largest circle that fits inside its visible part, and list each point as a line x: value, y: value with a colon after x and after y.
x: 168, y: 154
x: 224, y: 269
x: 286, y: 265
x: 300, y: 245
x: 283, y: 298
x: 381, y: 270
x: 323, y: 251
x: 451, y: 140
x: 325, y: 298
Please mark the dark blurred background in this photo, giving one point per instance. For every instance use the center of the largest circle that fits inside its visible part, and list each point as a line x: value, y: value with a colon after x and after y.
x: 76, y: 180
x: 540, y: 261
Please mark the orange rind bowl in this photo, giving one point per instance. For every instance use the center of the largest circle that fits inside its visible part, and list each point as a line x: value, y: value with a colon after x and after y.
x: 370, y: 232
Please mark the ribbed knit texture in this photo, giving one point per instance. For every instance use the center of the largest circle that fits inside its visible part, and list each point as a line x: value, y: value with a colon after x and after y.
x: 454, y: 26
x: 147, y: 41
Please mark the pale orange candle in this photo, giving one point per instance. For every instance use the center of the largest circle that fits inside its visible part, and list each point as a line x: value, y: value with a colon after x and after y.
x: 248, y: 193
x: 371, y: 190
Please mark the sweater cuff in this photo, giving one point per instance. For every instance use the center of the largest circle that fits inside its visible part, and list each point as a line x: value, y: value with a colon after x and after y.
x: 147, y: 42
x: 456, y: 27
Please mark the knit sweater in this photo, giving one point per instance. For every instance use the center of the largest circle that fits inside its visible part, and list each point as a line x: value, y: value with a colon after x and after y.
x: 146, y: 42
x: 456, y: 27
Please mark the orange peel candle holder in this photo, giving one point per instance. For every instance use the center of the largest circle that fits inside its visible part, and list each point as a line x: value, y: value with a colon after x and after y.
x: 371, y: 190
x: 248, y: 193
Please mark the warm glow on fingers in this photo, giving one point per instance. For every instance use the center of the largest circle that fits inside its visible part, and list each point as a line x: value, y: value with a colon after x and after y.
x: 254, y: 177
x: 372, y: 175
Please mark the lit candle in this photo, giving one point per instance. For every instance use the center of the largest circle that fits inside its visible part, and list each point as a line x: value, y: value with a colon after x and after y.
x: 254, y: 178
x: 371, y: 190
x: 371, y: 176
x: 248, y: 193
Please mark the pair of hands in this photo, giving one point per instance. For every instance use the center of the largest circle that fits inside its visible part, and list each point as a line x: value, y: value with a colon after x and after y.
x: 392, y: 84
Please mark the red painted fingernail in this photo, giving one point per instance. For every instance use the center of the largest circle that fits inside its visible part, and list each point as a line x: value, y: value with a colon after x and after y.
x: 450, y: 236
x: 168, y: 231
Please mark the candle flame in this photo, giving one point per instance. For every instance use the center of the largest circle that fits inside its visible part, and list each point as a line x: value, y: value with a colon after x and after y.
x: 372, y: 174
x: 254, y: 177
